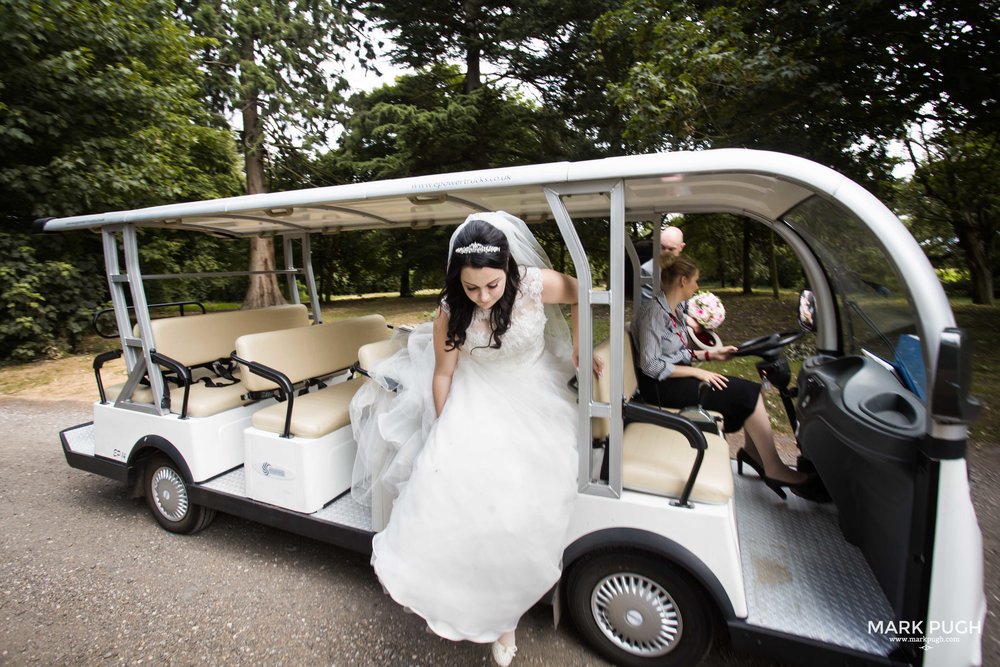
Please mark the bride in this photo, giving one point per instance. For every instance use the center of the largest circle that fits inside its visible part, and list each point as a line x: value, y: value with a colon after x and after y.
x: 482, y: 437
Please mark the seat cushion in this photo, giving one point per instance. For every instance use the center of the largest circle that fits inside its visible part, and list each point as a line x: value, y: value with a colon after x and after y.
x: 659, y: 460
x: 313, y: 415
x: 203, y: 401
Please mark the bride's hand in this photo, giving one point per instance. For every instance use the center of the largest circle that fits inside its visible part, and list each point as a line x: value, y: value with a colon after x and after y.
x: 598, y: 363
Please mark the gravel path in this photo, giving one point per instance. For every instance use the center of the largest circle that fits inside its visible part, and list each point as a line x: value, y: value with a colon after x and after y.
x: 87, y: 577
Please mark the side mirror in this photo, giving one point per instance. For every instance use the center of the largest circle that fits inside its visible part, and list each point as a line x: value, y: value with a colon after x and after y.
x: 950, y: 400
x: 807, y: 310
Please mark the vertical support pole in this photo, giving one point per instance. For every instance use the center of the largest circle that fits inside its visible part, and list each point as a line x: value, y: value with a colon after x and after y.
x: 588, y: 297
x: 288, y: 255
x: 637, y: 278
x: 617, y: 336
x: 311, y: 279
x: 116, y: 282
x: 130, y: 242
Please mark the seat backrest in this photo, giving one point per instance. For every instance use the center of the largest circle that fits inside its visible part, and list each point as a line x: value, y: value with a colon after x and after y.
x: 601, y: 427
x: 372, y: 354
x: 200, y: 339
x: 309, y: 352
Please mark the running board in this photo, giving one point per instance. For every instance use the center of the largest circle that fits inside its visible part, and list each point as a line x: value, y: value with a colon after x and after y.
x: 342, y: 522
x: 78, y: 446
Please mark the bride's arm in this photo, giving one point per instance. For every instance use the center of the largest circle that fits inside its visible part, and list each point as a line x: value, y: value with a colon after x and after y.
x: 560, y: 288
x: 444, y: 363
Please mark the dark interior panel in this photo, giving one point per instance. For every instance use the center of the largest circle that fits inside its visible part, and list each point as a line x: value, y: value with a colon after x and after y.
x: 862, y: 431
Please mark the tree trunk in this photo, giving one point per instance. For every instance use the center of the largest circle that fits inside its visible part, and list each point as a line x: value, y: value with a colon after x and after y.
x: 774, y: 269
x: 720, y: 259
x: 262, y: 290
x: 747, y: 273
x: 980, y: 267
x: 407, y: 242
x: 473, y: 50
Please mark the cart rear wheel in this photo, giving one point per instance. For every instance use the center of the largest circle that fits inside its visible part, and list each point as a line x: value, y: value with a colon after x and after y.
x: 167, y: 497
x: 638, y: 610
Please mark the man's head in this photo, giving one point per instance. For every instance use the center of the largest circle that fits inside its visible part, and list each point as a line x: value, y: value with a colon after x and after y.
x: 671, y: 241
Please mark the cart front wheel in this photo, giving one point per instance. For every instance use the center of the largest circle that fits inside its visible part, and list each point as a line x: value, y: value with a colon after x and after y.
x: 167, y: 497
x: 638, y: 610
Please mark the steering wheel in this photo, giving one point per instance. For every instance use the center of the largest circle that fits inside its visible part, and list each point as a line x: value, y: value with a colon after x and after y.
x: 764, y: 345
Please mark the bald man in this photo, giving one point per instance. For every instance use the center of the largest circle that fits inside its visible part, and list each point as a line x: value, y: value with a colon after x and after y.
x: 671, y: 243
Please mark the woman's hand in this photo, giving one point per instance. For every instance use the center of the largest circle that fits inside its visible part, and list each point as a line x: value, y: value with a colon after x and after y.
x: 714, y: 380
x: 724, y: 353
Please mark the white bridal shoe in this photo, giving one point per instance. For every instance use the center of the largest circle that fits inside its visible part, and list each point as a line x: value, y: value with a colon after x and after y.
x: 503, y: 655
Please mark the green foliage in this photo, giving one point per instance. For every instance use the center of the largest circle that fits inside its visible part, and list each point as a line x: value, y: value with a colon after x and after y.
x: 273, y: 63
x: 99, y: 110
x: 952, y: 203
x: 835, y: 82
x: 171, y: 253
x: 424, y: 123
x: 45, y: 302
x: 278, y: 57
x: 545, y: 44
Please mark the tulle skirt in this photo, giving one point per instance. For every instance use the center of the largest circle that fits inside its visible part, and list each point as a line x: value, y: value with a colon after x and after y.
x: 477, y: 531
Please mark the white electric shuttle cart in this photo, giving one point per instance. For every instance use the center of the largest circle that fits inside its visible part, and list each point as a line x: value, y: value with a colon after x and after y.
x: 244, y: 412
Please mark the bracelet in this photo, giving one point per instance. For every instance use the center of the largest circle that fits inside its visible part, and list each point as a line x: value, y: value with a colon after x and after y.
x: 708, y: 355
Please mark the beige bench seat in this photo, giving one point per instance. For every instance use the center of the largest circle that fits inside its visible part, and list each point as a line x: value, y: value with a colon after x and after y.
x: 315, y: 414
x: 659, y: 461
x: 656, y: 459
x: 299, y: 355
x: 195, y: 341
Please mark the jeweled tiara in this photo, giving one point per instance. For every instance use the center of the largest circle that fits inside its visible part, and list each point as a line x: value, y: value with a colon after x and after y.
x: 477, y: 248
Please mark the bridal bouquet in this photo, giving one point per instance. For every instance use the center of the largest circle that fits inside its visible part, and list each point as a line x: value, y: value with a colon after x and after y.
x: 707, y: 310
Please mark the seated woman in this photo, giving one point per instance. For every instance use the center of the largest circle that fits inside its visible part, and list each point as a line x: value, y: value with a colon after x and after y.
x: 667, y: 377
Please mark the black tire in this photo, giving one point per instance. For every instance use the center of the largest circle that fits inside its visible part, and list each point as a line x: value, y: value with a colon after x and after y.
x: 638, y: 610
x: 167, y: 497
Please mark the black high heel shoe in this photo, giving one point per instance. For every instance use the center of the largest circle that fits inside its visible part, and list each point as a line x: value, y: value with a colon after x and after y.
x: 805, y: 489
x: 743, y: 456
x: 809, y: 489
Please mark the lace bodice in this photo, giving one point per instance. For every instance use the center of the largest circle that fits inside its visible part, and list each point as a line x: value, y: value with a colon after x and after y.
x: 524, y: 341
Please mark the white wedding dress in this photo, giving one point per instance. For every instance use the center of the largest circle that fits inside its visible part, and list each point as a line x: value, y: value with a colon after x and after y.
x: 477, y: 532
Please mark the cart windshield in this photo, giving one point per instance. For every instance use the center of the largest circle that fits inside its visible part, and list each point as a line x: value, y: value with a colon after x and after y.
x: 874, y: 308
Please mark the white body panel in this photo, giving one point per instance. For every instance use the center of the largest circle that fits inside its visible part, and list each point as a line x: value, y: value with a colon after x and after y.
x: 957, y: 606
x: 208, y: 445
x: 708, y: 532
x: 300, y: 474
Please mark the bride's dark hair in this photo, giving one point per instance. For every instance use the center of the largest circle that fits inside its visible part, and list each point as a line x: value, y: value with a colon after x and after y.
x: 460, y: 306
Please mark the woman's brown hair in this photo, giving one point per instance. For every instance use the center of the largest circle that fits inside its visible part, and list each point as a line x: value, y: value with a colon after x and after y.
x: 673, y: 267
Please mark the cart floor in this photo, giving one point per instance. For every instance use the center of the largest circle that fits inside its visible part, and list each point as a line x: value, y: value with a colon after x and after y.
x: 802, y: 578
x: 344, y: 511
x: 80, y: 439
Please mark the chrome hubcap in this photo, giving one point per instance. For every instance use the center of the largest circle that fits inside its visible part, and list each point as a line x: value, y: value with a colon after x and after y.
x: 636, y: 614
x: 170, y: 494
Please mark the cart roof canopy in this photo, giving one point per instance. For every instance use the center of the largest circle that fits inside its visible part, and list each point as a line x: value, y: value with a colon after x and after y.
x: 763, y: 185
